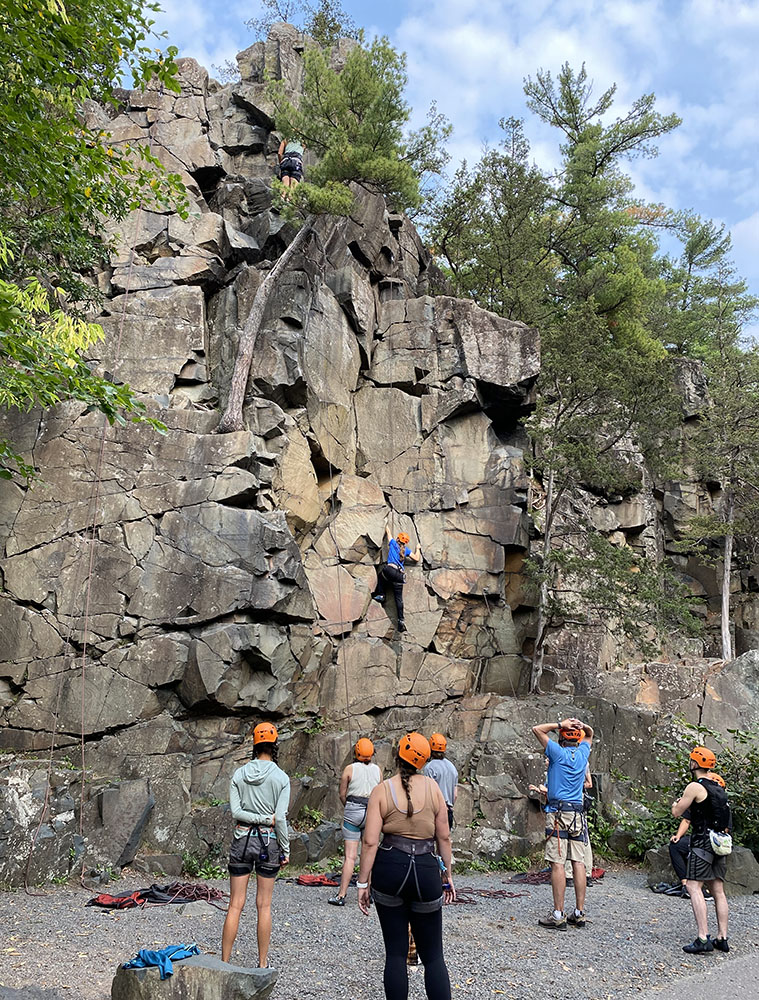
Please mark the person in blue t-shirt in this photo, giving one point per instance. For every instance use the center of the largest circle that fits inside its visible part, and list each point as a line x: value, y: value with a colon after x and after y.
x: 566, y: 831
x: 392, y: 571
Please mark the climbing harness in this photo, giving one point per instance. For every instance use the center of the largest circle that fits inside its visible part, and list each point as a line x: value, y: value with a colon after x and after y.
x: 413, y: 848
x: 577, y: 829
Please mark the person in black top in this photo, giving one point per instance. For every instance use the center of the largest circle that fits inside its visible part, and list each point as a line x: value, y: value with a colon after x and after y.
x: 709, y: 810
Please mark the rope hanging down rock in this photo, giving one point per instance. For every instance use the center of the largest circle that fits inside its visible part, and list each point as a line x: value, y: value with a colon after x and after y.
x: 90, y: 530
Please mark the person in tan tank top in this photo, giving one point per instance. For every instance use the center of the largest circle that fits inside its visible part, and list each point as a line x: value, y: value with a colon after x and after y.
x: 403, y: 876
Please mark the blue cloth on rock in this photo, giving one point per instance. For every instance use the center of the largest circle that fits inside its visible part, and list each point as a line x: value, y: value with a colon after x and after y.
x: 163, y: 959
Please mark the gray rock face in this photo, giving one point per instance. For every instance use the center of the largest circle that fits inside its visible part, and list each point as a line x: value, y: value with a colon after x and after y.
x: 200, y: 977
x: 232, y: 574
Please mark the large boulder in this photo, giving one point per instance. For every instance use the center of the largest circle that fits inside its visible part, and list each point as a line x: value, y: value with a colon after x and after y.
x: 742, y: 878
x: 200, y: 977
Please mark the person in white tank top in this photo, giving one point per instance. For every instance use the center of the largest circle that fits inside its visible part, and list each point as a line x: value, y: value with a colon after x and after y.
x: 358, y: 781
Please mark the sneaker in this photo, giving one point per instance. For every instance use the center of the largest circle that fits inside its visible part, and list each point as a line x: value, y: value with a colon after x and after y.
x: 379, y: 598
x: 551, y: 921
x: 402, y: 627
x: 721, y: 944
x: 699, y: 947
x: 575, y: 920
x: 337, y: 901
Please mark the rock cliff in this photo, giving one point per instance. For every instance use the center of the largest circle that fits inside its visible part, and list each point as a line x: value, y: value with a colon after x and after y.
x: 163, y: 592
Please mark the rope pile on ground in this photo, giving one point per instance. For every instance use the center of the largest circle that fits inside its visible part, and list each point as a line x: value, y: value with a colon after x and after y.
x: 161, y: 895
x: 543, y: 877
x: 466, y: 893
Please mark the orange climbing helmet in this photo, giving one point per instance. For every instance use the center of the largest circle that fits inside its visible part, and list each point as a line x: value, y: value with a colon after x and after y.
x: 402, y: 538
x: 364, y: 750
x: 704, y: 757
x: 264, y: 732
x: 414, y: 749
x: 571, y: 735
x: 713, y: 776
x: 438, y: 743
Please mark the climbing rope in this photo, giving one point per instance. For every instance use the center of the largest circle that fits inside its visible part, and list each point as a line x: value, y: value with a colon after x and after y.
x: 341, y: 637
x: 90, y: 530
x: 466, y: 894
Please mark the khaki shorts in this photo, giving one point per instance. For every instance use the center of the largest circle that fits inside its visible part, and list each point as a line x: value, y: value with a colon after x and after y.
x: 570, y: 844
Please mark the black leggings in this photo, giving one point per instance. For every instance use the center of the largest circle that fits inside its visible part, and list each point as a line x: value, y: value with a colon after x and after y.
x: 393, y: 576
x: 388, y: 873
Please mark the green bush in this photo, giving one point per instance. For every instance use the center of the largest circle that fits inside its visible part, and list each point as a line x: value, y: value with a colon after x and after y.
x: 738, y: 763
x: 508, y: 863
x: 599, y: 830
x: 308, y: 818
x: 208, y: 867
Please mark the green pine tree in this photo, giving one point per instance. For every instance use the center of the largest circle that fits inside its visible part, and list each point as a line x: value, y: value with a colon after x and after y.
x: 354, y: 121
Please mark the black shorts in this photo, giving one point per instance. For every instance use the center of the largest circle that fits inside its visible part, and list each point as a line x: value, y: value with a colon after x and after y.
x: 705, y: 866
x: 291, y: 166
x: 245, y: 856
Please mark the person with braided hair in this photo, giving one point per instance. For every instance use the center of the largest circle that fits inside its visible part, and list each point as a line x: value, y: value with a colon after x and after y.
x: 393, y: 571
x: 402, y: 874
x: 259, y: 794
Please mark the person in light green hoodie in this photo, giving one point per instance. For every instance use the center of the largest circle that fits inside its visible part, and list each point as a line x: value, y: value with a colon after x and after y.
x: 259, y: 794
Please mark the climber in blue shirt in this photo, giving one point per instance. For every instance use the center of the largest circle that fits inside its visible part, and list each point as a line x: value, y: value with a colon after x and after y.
x: 392, y: 571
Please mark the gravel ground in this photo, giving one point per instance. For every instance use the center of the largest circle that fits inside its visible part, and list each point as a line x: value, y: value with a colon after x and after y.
x: 52, y: 948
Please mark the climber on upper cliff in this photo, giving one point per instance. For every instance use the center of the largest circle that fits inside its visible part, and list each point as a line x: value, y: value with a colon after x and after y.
x: 290, y: 156
x: 393, y: 571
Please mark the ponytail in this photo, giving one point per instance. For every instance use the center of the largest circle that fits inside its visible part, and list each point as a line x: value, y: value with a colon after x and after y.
x: 272, y: 749
x: 405, y: 772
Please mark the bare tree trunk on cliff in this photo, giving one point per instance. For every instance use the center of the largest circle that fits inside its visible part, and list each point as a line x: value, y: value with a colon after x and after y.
x: 537, y: 655
x: 727, y: 646
x: 232, y: 420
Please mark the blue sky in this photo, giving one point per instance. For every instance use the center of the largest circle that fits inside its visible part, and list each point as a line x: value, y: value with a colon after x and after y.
x: 700, y: 58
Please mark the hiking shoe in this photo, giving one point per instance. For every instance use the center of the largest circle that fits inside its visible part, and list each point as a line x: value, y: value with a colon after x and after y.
x: 379, y: 598
x: 721, y: 944
x: 551, y: 921
x: 699, y: 947
x: 337, y: 901
x: 575, y: 920
x: 402, y: 627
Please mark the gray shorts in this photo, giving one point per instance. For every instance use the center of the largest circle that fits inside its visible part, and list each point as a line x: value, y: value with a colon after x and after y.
x: 245, y: 855
x: 354, y: 820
